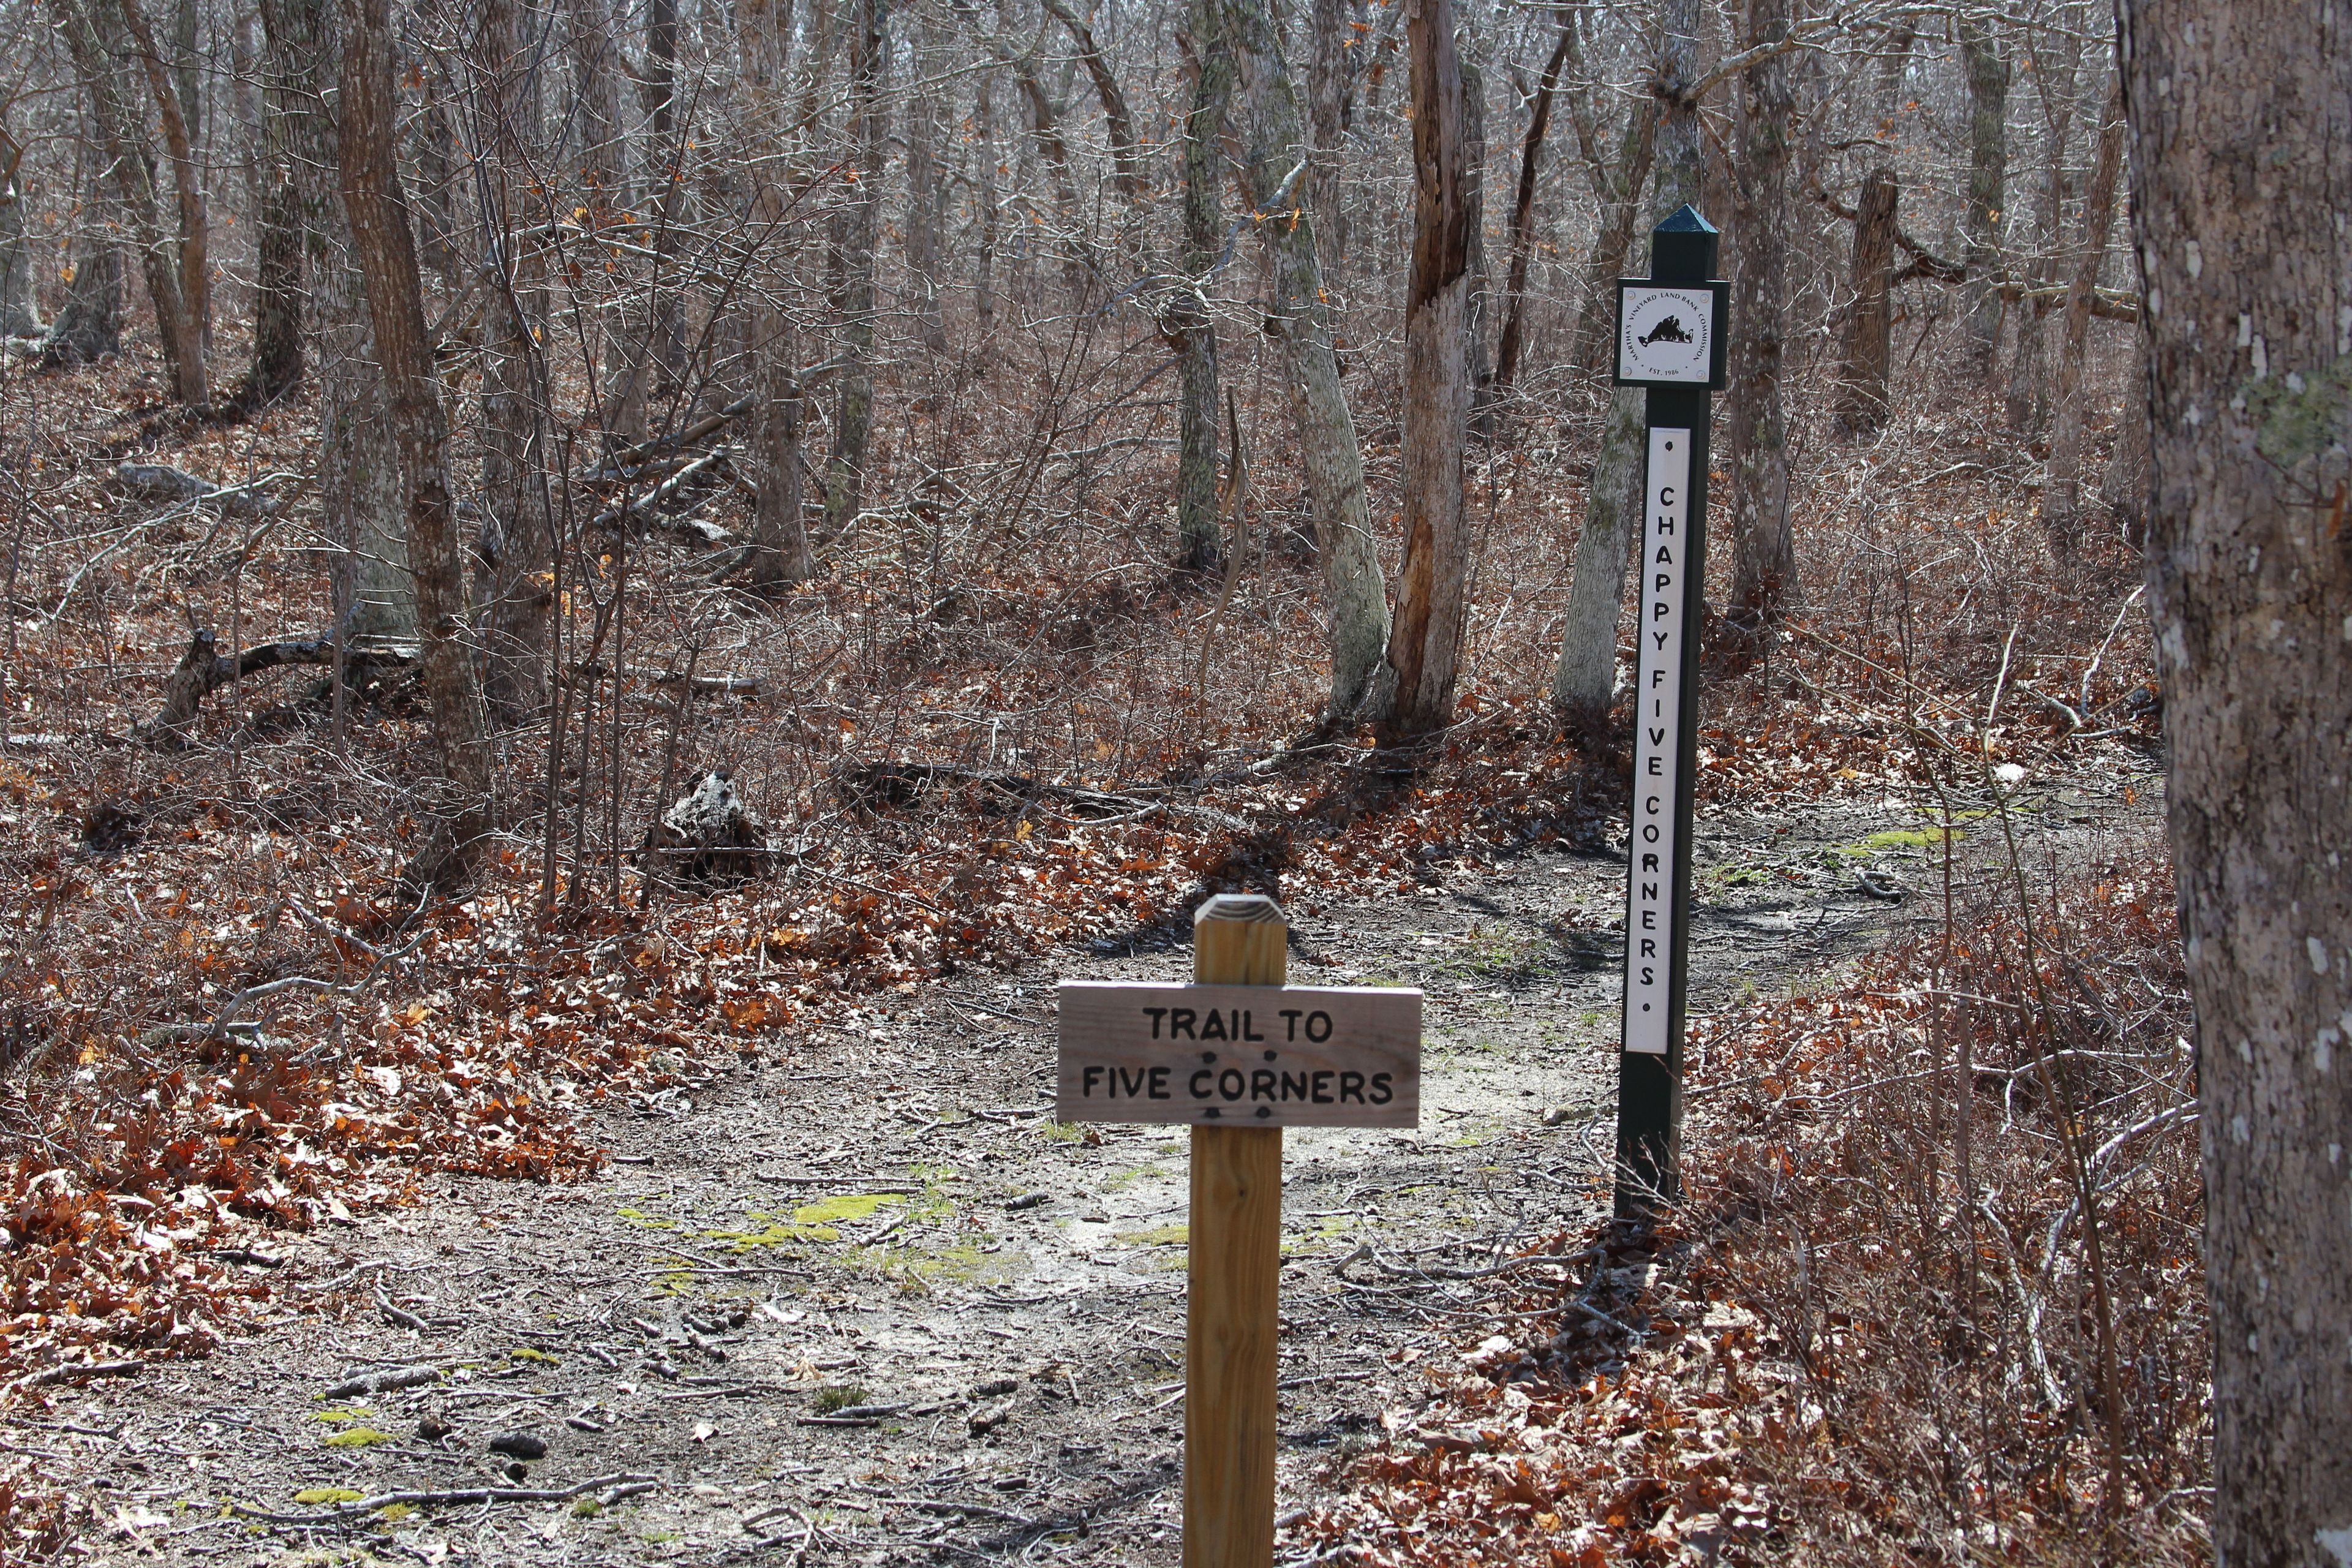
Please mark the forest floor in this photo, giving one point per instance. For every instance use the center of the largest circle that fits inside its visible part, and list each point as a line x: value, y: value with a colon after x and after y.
x: 863, y: 1301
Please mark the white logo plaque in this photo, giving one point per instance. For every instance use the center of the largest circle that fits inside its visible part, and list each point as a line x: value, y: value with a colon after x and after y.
x: 1665, y: 334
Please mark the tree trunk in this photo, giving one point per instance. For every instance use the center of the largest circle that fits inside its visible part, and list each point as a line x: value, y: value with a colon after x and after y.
x: 779, y: 542
x: 2062, y: 476
x: 926, y: 129
x: 363, y: 503
x: 385, y: 250
x: 1126, y: 156
x: 1355, y: 598
x: 1621, y: 197
x: 518, y: 550
x: 188, y: 184
x: 845, y: 475
x: 2237, y: 112
x: 1184, y: 322
x: 1988, y: 73
x: 1863, y: 371
x: 1764, y: 563
x: 277, y: 283
x: 95, y: 35
x: 1328, y: 75
x: 1425, y: 638
x: 20, y: 314
x: 983, y: 263
x: 1522, y: 234
x: 90, y: 324
x: 2123, y: 488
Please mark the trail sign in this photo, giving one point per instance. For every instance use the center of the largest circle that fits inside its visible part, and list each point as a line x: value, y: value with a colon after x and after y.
x: 1238, y: 1056
x: 1296, y: 1056
x: 1671, y: 329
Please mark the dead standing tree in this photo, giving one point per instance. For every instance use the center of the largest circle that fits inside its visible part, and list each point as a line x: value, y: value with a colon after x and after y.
x: 1866, y: 359
x: 1425, y: 635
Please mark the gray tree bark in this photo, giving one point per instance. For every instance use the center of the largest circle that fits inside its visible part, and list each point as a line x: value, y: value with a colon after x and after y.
x: 363, y: 503
x: 1764, y: 550
x: 844, y: 470
x: 926, y: 129
x: 1280, y: 176
x: 1185, y: 322
x: 781, y: 554
x: 20, y: 314
x: 1425, y: 635
x: 1988, y: 72
x: 1862, y: 395
x: 2062, y: 489
x: 2237, y: 111
x: 385, y: 250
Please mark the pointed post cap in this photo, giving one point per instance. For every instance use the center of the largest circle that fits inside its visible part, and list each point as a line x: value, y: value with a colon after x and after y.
x: 1685, y: 219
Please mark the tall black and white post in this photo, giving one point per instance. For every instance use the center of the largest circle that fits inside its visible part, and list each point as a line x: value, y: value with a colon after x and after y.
x: 1671, y: 330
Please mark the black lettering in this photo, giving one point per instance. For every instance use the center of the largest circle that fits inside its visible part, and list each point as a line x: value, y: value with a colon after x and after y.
x: 1233, y: 1089
x: 1665, y: 556
x: 1131, y: 1083
x: 1315, y: 1018
x: 1662, y: 581
x: 1249, y: 1027
x: 1322, y: 1095
x: 1650, y: 890
x: 1658, y: 738
x: 1290, y: 1022
x: 1212, y: 1028
x: 1381, y: 1093
x: 1201, y: 1089
x: 1351, y: 1087
x: 1665, y: 495
x: 1660, y: 638
x: 1658, y: 611
x: 1649, y: 805
x: 1155, y: 1015
x: 1649, y: 947
x: 1649, y: 833
x: 1649, y: 862
x: 1159, y: 1089
x: 1262, y: 1085
x: 1658, y: 767
x: 1649, y: 977
x: 1180, y: 1022
x: 1665, y: 525
x: 1091, y: 1075
x: 1649, y: 920
x: 1294, y: 1086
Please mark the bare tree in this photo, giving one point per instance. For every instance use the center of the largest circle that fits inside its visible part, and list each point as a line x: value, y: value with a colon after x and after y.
x: 845, y: 471
x: 1184, y: 321
x: 2062, y: 476
x: 1764, y: 561
x: 1987, y: 74
x: 385, y: 247
x: 1425, y: 635
x: 1867, y: 355
x: 1515, y: 286
x: 2244, y: 275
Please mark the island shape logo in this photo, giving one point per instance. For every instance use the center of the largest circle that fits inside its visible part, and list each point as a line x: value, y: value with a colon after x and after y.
x: 1662, y: 335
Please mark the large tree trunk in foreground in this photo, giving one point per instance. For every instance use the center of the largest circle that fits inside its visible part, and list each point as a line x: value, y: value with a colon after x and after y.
x: 2062, y: 490
x: 385, y: 249
x: 1764, y: 563
x: 1425, y: 638
x: 2237, y: 112
x: 1987, y: 173
x: 1354, y: 596
x: 1863, y: 373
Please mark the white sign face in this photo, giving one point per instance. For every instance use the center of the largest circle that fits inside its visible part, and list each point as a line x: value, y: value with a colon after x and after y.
x: 1665, y: 332
x: 1657, y: 743
x: 1240, y: 1056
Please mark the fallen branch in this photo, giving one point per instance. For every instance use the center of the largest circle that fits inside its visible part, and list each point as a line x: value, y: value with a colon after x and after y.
x: 614, y: 1487
x: 164, y: 482
x: 203, y: 670
x: 384, y: 1381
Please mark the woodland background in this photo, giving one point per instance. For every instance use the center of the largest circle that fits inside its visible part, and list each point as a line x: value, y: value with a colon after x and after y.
x: 1056, y: 465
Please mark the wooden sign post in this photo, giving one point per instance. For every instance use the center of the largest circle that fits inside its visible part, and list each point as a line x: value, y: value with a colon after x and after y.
x: 1238, y: 1056
x: 1670, y: 331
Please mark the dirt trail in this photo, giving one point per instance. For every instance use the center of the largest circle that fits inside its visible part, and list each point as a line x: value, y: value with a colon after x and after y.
x: 873, y: 1306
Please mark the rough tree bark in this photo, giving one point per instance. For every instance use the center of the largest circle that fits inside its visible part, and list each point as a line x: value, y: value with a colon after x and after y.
x: 89, y: 326
x: 1861, y: 405
x: 95, y: 36
x: 1988, y: 71
x: 780, y: 554
x: 363, y: 503
x: 1764, y: 549
x: 176, y: 109
x: 1329, y: 74
x: 1425, y: 637
x: 926, y: 129
x: 518, y: 550
x: 1185, y: 322
x: 20, y: 315
x: 1280, y: 176
x: 844, y: 469
x: 2238, y: 111
x: 1126, y: 159
x: 2062, y: 490
x: 277, y: 283
x: 385, y: 250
